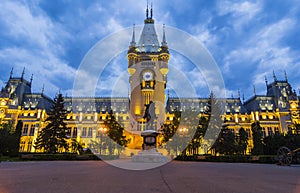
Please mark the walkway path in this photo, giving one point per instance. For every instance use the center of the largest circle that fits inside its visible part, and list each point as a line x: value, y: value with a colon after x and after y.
x: 98, y: 176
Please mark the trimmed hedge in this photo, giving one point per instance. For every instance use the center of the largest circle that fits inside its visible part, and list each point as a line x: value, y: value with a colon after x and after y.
x: 52, y: 157
x: 271, y: 159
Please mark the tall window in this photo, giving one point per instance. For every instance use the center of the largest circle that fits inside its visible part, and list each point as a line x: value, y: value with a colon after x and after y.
x: 22, y: 146
x: 29, y: 146
x: 31, y: 133
x: 90, y: 132
x: 270, y: 132
x: 83, y: 132
x: 263, y: 130
x: 276, y: 130
x: 74, y: 134
x: 68, y: 132
x: 25, y: 129
x: 248, y: 132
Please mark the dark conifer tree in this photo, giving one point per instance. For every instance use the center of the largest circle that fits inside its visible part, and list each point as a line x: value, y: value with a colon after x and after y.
x: 53, y: 138
x: 257, y: 138
x: 117, y: 139
x: 10, y: 138
x: 242, y: 141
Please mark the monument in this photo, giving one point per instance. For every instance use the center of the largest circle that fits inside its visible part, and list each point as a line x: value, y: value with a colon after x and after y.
x: 149, y: 152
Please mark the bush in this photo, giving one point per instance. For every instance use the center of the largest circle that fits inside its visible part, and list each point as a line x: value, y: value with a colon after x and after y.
x: 270, y: 159
x: 52, y: 157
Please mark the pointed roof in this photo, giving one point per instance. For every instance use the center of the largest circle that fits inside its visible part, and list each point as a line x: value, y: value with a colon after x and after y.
x: 133, y: 43
x: 164, y: 41
x: 148, y: 41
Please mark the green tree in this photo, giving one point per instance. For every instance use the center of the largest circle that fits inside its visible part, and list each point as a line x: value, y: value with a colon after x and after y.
x: 257, y: 138
x: 76, y: 147
x: 10, y: 138
x: 214, y: 110
x: 292, y: 141
x: 195, y: 132
x: 5, y: 132
x: 225, y: 143
x: 115, y: 132
x: 168, y: 131
x: 273, y: 142
x: 242, y: 141
x: 53, y: 138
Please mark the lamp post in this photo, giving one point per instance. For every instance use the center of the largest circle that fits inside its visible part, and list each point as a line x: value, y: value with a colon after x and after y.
x: 102, y: 133
x: 183, y: 133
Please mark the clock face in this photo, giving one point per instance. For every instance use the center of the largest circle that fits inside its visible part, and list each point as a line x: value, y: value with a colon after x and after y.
x: 295, y: 114
x: 2, y: 112
x: 147, y: 76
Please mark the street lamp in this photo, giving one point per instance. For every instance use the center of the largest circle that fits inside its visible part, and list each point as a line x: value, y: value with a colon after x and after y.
x: 183, y: 131
x: 103, y: 131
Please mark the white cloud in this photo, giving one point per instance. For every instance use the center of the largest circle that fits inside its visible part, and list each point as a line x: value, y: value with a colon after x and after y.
x: 202, y: 32
x: 264, y: 48
x: 47, y: 69
x: 241, y: 12
x: 263, y: 53
x: 31, y: 26
x: 40, y: 45
x: 40, y: 41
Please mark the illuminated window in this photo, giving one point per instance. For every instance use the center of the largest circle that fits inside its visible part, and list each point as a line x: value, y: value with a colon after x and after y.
x: 276, y: 130
x: 31, y: 133
x: 25, y: 129
x: 248, y: 132
x: 270, y: 132
x: 22, y: 146
x: 29, y: 146
x: 83, y: 132
x: 68, y: 132
x: 74, y: 134
x: 90, y: 132
x: 263, y: 132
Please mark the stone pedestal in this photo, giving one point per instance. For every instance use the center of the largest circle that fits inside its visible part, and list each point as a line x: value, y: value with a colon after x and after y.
x: 150, y: 156
x: 149, y: 152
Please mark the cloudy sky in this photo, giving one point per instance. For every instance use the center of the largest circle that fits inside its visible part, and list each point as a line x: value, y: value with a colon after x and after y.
x: 247, y: 39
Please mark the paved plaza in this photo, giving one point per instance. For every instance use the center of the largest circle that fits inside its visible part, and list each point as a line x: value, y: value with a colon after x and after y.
x: 181, y: 177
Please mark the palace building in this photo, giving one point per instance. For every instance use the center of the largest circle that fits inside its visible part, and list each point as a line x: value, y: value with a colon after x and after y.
x: 276, y: 111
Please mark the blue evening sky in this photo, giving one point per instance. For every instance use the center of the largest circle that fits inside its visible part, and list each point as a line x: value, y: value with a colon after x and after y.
x: 248, y: 39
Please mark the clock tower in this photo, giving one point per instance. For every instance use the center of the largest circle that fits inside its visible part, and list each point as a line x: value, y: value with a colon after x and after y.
x: 148, y: 68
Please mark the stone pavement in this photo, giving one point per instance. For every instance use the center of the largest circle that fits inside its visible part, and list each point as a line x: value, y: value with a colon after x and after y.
x: 98, y: 177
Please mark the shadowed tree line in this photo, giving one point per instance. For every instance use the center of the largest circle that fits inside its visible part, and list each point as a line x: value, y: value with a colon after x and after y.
x: 10, y: 138
x: 227, y: 141
x: 53, y: 138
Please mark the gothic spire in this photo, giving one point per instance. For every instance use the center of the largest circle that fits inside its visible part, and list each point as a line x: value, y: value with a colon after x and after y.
x: 266, y: 80
x: 254, y: 90
x: 11, y: 72
x: 151, y: 11
x: 147, y: 11
x: 149, y: 17
x: 285, y: 76
x: 133, y: 43
x: 22, y: 76
x: 43, y: 89
x: 274, y: 76
x: 31, y: 79
x: 164, y: 41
